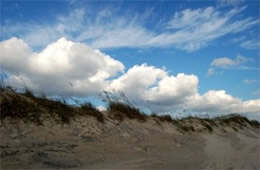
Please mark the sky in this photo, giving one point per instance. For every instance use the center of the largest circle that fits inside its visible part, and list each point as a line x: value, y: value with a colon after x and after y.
x: 200, y: 57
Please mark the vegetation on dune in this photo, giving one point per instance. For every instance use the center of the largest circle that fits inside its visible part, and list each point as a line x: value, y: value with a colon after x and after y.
x: 28, y: 107
x: 121, y: 110
x: 163, y: 118
x: 17, y: 107
x: 120, y: 107
x: 238, y: 120
x: 89, y: 109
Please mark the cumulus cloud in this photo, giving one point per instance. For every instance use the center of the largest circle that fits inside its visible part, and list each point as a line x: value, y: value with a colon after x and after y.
x: 67, y: 68
x: 62, y: 68
x: 189, y: 29
x: 156, y: 89
x: 221, y: 102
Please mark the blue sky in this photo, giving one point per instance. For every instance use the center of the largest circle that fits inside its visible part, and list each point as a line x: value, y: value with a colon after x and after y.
x: 215, y: 41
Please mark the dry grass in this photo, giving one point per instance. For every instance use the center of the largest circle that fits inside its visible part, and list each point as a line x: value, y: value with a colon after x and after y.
x: 88, y: 109
x: 121, y: 111
x: 163, y: 118
x: 28, y: 107
x: 120, y: 107
x: 16, y: 107
x: 238, y: 120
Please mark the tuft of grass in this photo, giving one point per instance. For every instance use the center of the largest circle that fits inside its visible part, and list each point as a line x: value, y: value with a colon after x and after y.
x: 210, y: 121
x: 209, y: 128
x: 120, y: 107
x: 186, y: 128
x: 121, y: 110
x: 163, y: 118
x: 28, y: 93
x: 57, y: 109
x: 15, y: 107
x: 28, y: 107
x: 255, y: 124
x: 88, y: 109
x: 239, y: 120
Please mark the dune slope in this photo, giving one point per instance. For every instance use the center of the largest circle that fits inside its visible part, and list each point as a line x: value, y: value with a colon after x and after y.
x: 132, y: 142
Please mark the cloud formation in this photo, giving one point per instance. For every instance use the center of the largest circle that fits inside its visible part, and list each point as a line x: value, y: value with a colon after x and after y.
x: 156, y: 89
x: 62, y: 68
x: 189, y: 29
x: 67, y: 68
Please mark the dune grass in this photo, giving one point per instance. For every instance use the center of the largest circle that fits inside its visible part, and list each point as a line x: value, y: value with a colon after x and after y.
x: 163, y: 118
x: 120, y: 107
x: 88, y: 108
x: 121, y: 111
x: 16, y: 107
x: 238, y: 119
x: 28, y: 107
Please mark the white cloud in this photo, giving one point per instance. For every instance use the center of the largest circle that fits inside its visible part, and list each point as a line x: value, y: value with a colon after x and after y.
x: 66, y: 68
x: 156, y: 89
x: 138, y: 77
x: 220, y: 102
x: 154, y: 85
x: 101, y: 108
x: 194, y: 29
x: 189, y: 29
x: 223, y: 62
x: 62, y: 68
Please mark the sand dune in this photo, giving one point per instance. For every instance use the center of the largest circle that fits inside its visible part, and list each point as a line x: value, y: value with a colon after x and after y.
x: 37, y: 133
x: 88, y: 144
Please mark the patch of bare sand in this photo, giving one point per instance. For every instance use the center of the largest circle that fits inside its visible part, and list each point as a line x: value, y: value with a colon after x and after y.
x: 236, y: 150
x: 87, y: 144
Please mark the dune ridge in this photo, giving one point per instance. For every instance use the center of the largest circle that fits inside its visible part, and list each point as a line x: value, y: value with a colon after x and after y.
x: 35, y: 134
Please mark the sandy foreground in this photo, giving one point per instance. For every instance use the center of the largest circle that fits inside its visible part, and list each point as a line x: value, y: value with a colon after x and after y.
x: 88, y: 144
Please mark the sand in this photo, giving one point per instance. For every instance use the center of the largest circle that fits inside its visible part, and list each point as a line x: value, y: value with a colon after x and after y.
x: 88, y: 144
